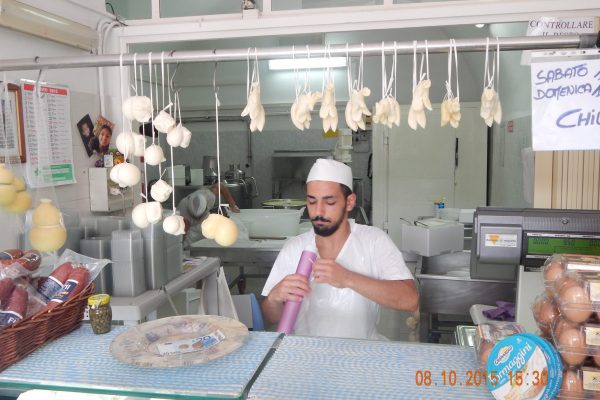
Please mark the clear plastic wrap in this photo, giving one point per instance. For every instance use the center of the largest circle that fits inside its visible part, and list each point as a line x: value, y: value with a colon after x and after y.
x: 545, y: 312
x: 490, y: 333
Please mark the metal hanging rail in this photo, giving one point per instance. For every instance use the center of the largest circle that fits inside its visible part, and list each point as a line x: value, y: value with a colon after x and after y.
x: 405, y: 47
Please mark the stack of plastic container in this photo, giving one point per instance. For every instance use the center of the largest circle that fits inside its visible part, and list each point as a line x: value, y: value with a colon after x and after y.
x: 569, y: 313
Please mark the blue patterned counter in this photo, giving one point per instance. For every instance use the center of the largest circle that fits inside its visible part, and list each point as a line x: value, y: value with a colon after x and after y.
x: 330, y: 368
x: 81, y: 362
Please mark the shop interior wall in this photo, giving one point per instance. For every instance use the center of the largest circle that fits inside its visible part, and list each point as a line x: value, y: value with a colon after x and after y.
x: 84, y: 99
x: 277, y: 93
x: 509, y: 160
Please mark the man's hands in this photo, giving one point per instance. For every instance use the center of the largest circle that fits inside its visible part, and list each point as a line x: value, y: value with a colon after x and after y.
x: 293, y: 287
x: 332, y: 273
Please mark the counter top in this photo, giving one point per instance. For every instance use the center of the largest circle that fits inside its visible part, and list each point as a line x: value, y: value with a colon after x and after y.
x: 81, y: 361
x: 297, y: 367
x: 333, y: 368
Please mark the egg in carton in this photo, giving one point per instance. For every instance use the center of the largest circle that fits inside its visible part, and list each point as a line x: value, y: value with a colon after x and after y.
x: 545, y: 312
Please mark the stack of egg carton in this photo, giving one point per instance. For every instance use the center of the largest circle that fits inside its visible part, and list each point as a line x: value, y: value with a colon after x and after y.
x: 568, y: 314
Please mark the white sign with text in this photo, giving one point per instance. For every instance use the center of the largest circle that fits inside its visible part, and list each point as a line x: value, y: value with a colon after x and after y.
x: 565, y: 105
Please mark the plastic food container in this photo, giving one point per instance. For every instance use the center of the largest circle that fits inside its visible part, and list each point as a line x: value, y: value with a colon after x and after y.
x: 490, y: 333
x: 266, y: 223
x: 560, y: 267
x: 580, y: 383
x: 545, y: 312
x: 577, y: 343
x: 524, y: 366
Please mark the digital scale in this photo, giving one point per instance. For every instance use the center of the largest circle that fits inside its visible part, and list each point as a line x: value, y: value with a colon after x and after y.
x: 512, y: 244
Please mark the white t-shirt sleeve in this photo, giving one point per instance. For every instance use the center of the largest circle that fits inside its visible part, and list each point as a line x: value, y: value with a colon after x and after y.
x: 285, y: 264
x: 388, y: 259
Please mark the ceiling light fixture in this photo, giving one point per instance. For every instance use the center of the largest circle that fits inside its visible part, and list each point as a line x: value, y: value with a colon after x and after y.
x: 34, y: 21
x: 479, y: 25
x: 303, y: 63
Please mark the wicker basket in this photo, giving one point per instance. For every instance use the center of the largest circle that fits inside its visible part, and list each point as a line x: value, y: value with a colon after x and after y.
x: 24, y: 337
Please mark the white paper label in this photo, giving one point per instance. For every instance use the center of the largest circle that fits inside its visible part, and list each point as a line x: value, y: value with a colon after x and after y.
x: 595, y: 291
x: 564, y: 105
x: 592, y: 335
x: 500, y: 240
x: 190, y: 345
x: 591, y: 380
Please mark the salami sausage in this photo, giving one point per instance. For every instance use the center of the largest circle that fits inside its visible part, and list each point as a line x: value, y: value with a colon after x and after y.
x: 49, y: 286
x: 78, y: 280
x: 6, y: 287
x: 16, y: 307
x: 17, y: 302
x: 10, y: 254
x: 30, y: 260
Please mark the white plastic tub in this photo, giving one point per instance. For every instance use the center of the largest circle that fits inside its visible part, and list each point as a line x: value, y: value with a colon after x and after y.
x: 271, y: 222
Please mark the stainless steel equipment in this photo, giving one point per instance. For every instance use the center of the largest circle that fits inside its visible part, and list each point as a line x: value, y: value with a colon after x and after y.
x: 447, y: 289
x: 155, y: 260
x: 127, y: 251
x: 99, y: 247
x: 234, y: 172
x: 243, y: 190
x: 209, y: 166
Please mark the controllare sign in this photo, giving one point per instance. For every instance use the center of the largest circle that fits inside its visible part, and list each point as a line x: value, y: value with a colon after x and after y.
x: 566, y: 104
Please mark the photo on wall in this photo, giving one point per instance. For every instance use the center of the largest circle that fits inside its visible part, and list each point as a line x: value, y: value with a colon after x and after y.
x: 85, y: 126
x: 102, y: 135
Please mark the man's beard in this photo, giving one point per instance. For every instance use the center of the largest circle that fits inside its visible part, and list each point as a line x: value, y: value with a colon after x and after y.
x: 323, y: 230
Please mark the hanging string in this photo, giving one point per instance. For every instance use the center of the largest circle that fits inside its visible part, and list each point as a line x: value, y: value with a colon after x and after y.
x: 248, y: 73
x: 135, y: 73
x: 497, y: 75
x: 122, y: 88
x: 414, y: 86
x: 296, y: 73
x: 427, y: 57
x: 306, y: 72
x: 160, y: 170
x: 256, y: 69
x: 162, y: 77
x: 359, y: 83
x: 170, y: 84
x: 394, y: 69
x: 383, y: 72
x: 217, y: 104
x: 325, y: 68
x: 486, y: 72
x: 349, y: 72
x: 172, y: 165
x: 456, y: 68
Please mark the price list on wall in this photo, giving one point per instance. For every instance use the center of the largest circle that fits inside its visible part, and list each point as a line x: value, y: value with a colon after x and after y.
x: 47, y: 123
x: 9, y: 142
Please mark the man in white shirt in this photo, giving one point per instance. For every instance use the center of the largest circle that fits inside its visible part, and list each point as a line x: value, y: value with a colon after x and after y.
x: 358, y: 267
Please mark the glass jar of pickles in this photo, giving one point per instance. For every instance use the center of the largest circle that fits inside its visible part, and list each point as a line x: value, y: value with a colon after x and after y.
x: 100, y: 313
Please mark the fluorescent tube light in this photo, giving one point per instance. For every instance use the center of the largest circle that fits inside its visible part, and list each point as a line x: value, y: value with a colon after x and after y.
x: 301, y: 63
x: 34, y: 21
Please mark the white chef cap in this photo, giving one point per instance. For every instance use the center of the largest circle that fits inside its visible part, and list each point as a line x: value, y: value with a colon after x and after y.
x: 331, y: 171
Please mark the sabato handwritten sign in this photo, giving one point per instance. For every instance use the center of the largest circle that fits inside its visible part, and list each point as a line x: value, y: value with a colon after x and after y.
x: 565, y: 105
